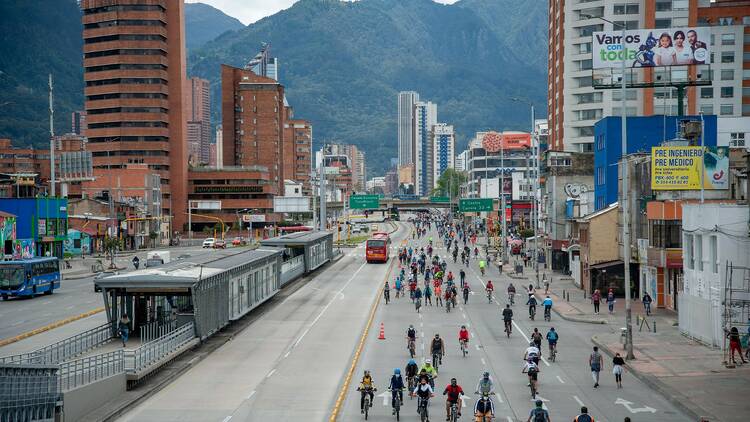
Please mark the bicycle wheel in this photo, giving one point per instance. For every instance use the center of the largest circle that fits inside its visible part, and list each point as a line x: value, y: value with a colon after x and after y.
x: 367, y: 406
x: 532, y: 387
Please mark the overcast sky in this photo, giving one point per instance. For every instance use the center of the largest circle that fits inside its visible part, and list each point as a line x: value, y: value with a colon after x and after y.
x: 249, y: 11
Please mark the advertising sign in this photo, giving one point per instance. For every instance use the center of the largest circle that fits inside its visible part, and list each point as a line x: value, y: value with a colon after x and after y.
x: 364, y: 202
x: 495, y: 142
x: 291, y: 204
x: 652, y: 47
x: 205, y: 205
x: 679, y: 168
x: 439, y: 199
x: 42, y: 227
x: 475, y: 204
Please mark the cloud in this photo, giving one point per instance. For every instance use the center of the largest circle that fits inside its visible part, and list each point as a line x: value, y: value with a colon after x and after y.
x: 249, y: 11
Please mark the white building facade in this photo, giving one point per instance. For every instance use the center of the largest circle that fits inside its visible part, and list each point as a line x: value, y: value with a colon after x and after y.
x: 425, y: 117
x: 406, y: 101
x: 443, y: 150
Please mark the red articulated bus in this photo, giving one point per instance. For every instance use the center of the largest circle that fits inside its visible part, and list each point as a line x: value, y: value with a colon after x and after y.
x: 377, y: 247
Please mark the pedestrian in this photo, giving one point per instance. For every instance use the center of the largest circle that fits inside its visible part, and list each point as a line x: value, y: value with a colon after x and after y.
x: 647, y: 303
x: 546, y: 284
x: 611, y: 301
x: 617, y: 363
x: 584, y: 416
x: 596, y: 298
x: 734, y: 344
x: 124, y: 328
x: 438, y: 295
x: 595, y: 362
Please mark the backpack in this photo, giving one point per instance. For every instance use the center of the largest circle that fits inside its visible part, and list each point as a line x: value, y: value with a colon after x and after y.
x: 584, y: 418
x: 540, y: 415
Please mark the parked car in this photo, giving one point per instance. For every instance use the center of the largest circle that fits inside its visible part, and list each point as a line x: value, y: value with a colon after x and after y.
x: 356, y: 229
x: 209, y: 242
x: 239, y: 241
x: 220, y: 244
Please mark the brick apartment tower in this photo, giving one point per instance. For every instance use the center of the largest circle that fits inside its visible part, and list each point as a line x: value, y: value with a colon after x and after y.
x: 198, y: 103
x: 298, y: 144
x: 134, y: 74
x: 253, y: 118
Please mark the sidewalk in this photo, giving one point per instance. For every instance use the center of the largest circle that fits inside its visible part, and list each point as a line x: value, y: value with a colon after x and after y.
x: 687, y: 373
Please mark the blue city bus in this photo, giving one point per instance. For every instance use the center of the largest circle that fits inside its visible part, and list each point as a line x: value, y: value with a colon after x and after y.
x: 29, y: 277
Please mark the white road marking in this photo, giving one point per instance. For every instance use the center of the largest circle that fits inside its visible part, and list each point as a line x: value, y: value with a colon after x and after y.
x: 631, y: 409
x: 560, y: 379
x: 580, y: 403
x: 271, y: 373
x: 252, y: 393
x: 464, y: 315
x: 476, y: 346
x: 286, y: 355
x: 227, y: 418
x: 483, y: 362
x: 520, y: 331
x: 510, y: 419
x: 46, y: 302
x: 191, y: 361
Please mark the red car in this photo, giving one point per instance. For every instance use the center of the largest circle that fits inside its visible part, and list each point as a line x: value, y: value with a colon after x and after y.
x: 220, y: 244
x: 238, y: 241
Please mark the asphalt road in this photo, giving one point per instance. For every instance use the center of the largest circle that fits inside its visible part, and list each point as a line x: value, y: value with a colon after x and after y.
x: 74, y: 297
x: 287, y: 365
x: 564, y: 385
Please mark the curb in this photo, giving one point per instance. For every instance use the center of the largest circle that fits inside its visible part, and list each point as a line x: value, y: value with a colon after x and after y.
x: 677, y: 400
x: 48, y: 327
x: 574, y: 318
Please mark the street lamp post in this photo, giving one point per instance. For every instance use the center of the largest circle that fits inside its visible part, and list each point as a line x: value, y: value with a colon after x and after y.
x: 624, y: 200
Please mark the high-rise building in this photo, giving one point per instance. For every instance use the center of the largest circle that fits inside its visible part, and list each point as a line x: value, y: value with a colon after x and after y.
x: 134, y: 74
x: 198, y: 102
x: 219, y: 142
x: 574, y: 105
x: 406, y: 101
x: 462, y: 161
x: 425, y: 117
x: 263, y: 64
x: 253, y: 116
x: 443, y: 144
x: 300, y: 139
x: 78, y: 123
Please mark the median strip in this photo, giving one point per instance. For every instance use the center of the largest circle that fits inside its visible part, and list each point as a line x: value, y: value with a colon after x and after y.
x: 48, y: 327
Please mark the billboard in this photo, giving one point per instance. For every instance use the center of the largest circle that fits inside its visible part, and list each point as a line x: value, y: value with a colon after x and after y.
x: 680, y: 168
x: 495, y: 142
x: 652, y: 47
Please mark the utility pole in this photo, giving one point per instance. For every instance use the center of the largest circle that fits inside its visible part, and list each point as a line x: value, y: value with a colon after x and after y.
x: 534, y: 204
x: 504, y: 240
x: 51, y: 141
x: 322, y: 190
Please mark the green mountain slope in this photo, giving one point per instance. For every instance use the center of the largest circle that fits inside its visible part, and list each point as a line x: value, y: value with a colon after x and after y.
x: 343, y: 64
x: 203, y: 23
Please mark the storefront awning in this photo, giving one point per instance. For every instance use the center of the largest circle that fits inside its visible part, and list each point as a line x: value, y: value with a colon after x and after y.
x: 607, y: 264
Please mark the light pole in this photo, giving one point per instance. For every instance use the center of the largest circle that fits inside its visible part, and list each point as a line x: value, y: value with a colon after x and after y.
x: 624, y: 200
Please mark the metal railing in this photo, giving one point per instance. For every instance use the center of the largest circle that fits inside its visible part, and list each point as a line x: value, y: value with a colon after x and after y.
x: 79, y: 372
x: 28, y: 392
x: 66, y: 348
x: 154, y: 330
x: 139, y: 359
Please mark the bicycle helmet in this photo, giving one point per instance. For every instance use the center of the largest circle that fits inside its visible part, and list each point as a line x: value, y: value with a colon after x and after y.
x: 539, y: 403
x: 428, y: 361
x: 397, y: 371
x: 412, y: 362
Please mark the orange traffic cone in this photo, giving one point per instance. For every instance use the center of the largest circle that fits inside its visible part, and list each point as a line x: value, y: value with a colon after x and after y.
x: 382, y: 332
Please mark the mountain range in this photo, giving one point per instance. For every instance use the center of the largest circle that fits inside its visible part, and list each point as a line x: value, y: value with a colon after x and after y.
x: 342, y: 64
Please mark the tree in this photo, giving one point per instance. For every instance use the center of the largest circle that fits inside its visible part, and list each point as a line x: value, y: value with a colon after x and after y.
x: 449, y: 183
x: 153, y: 235
x: 111, y: 245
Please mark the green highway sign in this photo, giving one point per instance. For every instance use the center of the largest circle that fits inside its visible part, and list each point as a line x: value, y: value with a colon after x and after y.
x: 439, y: 199
x: 475, y: 204
x: 364, y: 202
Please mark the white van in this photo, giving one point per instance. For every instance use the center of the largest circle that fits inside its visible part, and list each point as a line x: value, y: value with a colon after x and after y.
x: 156, y: 258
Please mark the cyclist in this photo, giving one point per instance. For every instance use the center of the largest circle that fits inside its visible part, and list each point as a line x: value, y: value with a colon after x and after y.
x: 418, y: 299
x: 482, y: 264
x: 476, y: 252
x: 547, y: 302
x: 437, y: 347
x: 511, y: 293
x: 412, y: 288
x: 427, y: 294
x: 387, y: 292
x: 467, y: 289
x: 366, y: 386
x: 532, y: 353
x: 485, y: 386
x: 484, y: 408
x: 532, y: 370
x: 438, y: 295
x: 489, y: 288
x: 454, y: 393
x: 424, y: 391
x: 396, y: 387
x: 428, y: 372
x: 397, y: 285
x: 463, y: 336
x: 538, y: 414
x: 530, y: 290
x: 552, y: 338
x: 532, y: 306
x: 411, y: 369
x: 536, y: 337
x: 508, y: 318
x: 411, y: 335
x: 454, y: 295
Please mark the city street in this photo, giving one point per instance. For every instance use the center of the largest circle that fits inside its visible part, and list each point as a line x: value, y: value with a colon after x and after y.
x: 75, y: 296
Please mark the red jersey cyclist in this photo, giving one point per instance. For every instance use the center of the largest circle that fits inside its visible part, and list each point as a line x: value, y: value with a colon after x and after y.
x: 463, y: 335
x: 489, y: 287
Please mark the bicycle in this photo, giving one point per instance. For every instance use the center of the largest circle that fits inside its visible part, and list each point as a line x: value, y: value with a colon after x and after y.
x: 453, y: 416
x: 481, y: 269
x: 412, y: 348
x: 411, y: 381
x: 508, y: 327
x: 512, y: 298
x: 464, y: 348
x: 489, y: 296
x: 552, y: 351
x: 368, y: 402
x: 395, y: 403
x: 547, y: 314
x: 437, y: 359
x: 422, y: 409
x: 448, y: 305
x: 387, y: 295
x: 466, y: 296
x: 532, y: 387
x: 532, y: 312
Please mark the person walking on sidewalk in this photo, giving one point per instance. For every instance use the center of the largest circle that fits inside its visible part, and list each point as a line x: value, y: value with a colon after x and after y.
x: 596, y: 299
x: 611, y: 301
x: 734, y: 344
x: 647, y: 303
x: 595, y: 362
x: 617, y: 363
x: 124, y: 328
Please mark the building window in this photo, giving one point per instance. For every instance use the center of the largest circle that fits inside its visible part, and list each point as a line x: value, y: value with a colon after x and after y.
x: 590, y: 114
x: 626, y: 9
x: 737, y: 139
x: 746, y: 20
x: 666, y: 233
x: 584, y: 82
x: 726, y: 109
x: 584, y: 48
x: 664, y: 6
x: 726, y: 21
x: 630, y: 94
x: 560, y: 162
x: 588, y: 30
x: 662, y: 23
x: 707, y: 108
x: 746, y: 74
x: 626, y: 24
x: 589, y: 98
x: 727, y: 92
x: 727, y: 39
x: 688, y: 251
x: 586, y: 131
x: 707, y: 92
x: 727, y: 56
x: 680, y: 4
x: 585, y: 64
x: 727, y: 74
